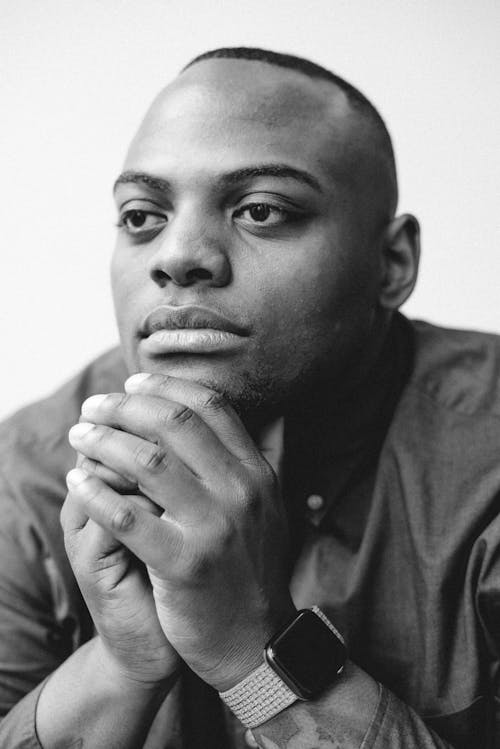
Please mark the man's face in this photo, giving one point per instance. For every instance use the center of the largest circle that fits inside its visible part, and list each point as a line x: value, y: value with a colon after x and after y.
x: 252, y: 208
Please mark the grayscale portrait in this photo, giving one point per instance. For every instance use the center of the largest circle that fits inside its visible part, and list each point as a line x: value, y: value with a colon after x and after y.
x: 249, y: 468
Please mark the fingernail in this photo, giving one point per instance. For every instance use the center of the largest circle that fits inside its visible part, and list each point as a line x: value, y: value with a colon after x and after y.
x: 76, y: 476
x: 135, y: 380
x: 78, y: 431
x: 92, y: 403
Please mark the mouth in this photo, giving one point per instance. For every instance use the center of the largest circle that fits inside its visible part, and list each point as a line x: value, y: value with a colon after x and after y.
x: 188, y: 330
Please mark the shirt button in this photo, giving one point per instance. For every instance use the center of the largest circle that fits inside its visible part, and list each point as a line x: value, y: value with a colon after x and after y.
x: 315, y: 502
x: 249, y: 740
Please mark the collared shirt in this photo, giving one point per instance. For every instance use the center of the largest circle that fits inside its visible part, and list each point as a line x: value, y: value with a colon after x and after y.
x: 394, y: 504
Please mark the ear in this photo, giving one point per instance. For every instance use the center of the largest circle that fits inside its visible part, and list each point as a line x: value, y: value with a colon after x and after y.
x: 400, y: 256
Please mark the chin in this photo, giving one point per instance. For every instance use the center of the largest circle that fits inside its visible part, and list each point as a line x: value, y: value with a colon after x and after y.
x: 252, y: 393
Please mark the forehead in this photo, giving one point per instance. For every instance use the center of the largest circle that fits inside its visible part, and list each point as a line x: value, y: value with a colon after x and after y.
x: 242, y: 112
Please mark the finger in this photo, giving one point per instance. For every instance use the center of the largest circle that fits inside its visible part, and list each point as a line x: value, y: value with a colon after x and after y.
x: 123, y: 454
x: 210, y: 405
x: 75, y: 518
x: 84, y: 541
x: 156, y: 541
x: 171, y: 425
x: 163, y: 478
x: 92, y: 549
x: 110, y: 477
x: 72, y: 516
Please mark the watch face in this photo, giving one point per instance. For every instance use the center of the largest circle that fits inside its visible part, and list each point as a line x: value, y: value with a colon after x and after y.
x: 307, y: 655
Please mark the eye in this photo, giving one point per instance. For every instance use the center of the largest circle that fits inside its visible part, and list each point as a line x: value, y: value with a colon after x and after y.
x: 263, y: 213
x: 136, y: 221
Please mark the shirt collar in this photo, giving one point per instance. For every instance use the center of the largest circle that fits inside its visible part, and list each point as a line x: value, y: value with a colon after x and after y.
x: 271, y: 444
x: 340, y: 446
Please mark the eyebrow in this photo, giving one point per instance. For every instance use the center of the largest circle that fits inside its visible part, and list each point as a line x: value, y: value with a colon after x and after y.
x: 283, y: 171
x: 156, y: 183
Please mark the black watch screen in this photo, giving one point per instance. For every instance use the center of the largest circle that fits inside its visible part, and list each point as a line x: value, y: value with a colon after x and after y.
x: 307, y: 655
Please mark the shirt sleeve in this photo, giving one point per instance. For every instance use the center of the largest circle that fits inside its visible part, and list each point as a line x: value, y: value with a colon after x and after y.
x: 397, y: 726
x: 17, y: 728
x: 32, y: 640
x: 487, y: 602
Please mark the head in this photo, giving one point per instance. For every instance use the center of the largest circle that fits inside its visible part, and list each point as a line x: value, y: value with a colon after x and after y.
x: 262, y: 188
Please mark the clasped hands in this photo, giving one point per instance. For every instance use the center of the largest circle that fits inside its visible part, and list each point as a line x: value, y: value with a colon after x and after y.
x: 176, y: 532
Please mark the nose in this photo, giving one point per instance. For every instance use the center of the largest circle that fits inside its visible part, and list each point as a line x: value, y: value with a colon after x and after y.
x: 190, y: 251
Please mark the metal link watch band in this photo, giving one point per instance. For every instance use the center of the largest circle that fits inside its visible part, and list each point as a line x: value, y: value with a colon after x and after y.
x: 263, y: 694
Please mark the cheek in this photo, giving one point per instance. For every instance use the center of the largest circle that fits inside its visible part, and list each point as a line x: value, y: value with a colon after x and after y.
x: 341, y: 280
x: 125, y: 294
x: 125, y: 283
x: 119, y: 291
x: 312, y: 290
x: 324, y: 300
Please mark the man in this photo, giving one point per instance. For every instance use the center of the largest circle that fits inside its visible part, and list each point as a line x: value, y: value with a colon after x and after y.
x: 286, y: 441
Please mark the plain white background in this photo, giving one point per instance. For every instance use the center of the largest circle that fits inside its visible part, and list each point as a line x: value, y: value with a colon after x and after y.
x: 77, y: 76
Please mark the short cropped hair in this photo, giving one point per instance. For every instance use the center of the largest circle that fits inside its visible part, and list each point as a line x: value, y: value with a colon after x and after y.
x: 357, y: 100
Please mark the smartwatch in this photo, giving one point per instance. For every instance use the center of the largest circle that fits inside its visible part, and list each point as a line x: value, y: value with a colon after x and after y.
x: 308, y: 653
x: 300, y: 662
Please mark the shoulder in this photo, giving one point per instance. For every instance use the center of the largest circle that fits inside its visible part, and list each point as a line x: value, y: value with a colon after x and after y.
x: 43, y: 614
x: 448, y: 416
x: 443, y: 446
x: 457, y: 369
x: 41, y: 427
x: 34, y: 451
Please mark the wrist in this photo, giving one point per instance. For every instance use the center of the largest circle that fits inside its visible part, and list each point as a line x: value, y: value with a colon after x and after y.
x: 348, y: 707
x: 246, y: 654
x: 89, y: 699
x: 300, y: 662
x: 123, y: 679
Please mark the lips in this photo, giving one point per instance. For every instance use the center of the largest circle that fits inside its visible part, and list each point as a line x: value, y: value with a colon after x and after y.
x: 166, y: 317
x: 188, y: 330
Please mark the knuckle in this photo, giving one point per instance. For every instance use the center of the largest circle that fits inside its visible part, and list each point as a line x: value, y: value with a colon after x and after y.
x: 119, y: 401
x: 100, y: 435
x: 149, y: 458
x: 213, y: 401
x: 176, y: 415
x: 123, y: 519
x: 181, y: 414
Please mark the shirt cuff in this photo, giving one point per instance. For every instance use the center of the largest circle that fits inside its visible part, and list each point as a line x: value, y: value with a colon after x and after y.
x: 18, y: 728
x: 396, y: 726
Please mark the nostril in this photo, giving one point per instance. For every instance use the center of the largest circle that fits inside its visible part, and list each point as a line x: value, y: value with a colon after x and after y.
x: 160, y: 277
x: 198, y: 274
